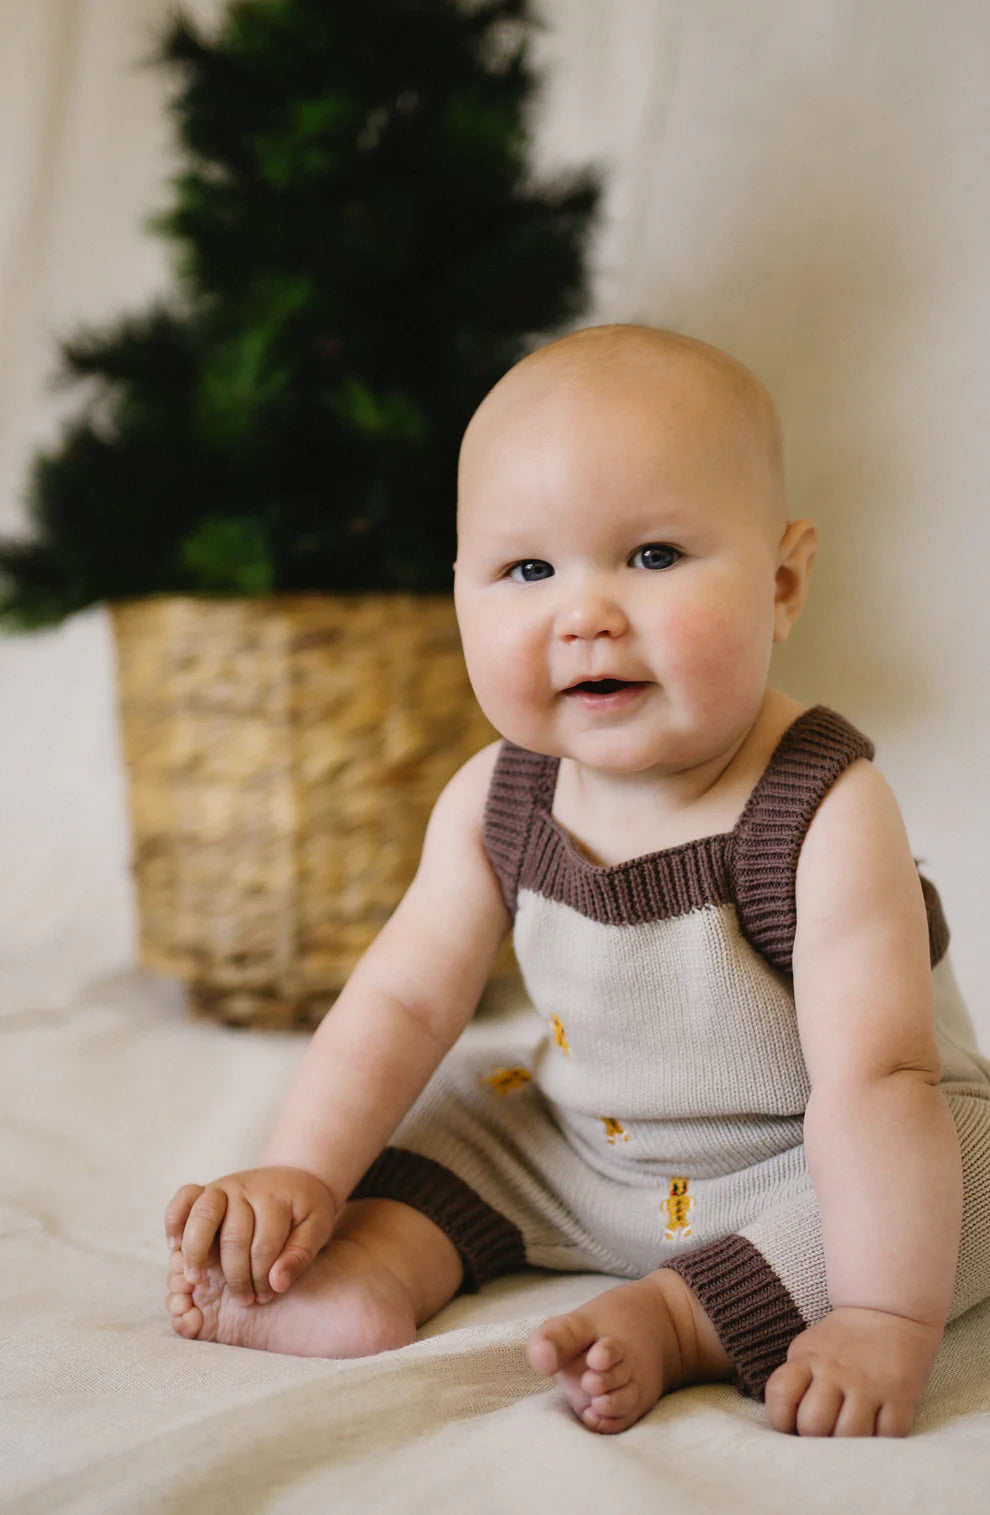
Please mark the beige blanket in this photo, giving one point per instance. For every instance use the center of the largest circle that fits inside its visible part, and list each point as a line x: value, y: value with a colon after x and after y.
x: 109, y: 1103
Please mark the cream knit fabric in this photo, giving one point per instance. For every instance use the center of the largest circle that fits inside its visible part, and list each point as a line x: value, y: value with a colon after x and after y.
x: 650, y: 1111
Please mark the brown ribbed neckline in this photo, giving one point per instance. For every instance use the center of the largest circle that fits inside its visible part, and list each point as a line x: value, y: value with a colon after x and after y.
x: 531, y: 850
x: 753, y: 866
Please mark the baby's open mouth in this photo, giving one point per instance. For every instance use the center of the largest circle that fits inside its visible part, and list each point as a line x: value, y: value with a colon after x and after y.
x: 599, y: 686
x: 603, y: 686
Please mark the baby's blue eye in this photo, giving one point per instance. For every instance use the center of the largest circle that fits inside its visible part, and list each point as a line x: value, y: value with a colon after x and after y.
x: 656, y: 555
x: 530, y: 571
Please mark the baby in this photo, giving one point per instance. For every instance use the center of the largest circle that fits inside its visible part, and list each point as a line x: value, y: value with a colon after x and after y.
x: 749, y: 1087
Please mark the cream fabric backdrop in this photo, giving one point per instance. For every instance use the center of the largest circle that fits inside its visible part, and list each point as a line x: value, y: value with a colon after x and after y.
x: 803, y: 182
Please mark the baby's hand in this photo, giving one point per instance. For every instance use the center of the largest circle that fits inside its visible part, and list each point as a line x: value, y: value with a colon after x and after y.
x: 271, y: 1223
x: 855, y: 1373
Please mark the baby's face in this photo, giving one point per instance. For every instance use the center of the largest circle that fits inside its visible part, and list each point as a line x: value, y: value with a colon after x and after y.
x: 615, y: 582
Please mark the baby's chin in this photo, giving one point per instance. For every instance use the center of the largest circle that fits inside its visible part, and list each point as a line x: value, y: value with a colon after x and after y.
x: 625, y: 742
x: 607, y: 754
x: 630, y: 755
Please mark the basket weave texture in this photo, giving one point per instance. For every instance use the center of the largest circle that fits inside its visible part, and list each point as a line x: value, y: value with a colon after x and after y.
x: 283, y: 756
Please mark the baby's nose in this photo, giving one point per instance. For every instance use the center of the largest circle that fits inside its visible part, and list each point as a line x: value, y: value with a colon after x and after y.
x: 591, y: 612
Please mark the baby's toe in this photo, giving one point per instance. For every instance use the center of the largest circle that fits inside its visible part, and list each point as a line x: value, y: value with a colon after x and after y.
x: 602, y: 1383
x: 607, y: 1425
x: 193, y: 1307
x: 618, y: 1404
x: 187, y: 1317
x: 177, y: 1282
x: 557, y: 1343
x: 604, y: 1354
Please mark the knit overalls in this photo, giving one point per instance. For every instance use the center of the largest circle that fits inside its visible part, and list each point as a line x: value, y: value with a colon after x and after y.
x: 645, y: 1108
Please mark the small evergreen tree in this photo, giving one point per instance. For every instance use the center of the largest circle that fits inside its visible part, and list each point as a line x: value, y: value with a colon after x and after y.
x: 361, y: 253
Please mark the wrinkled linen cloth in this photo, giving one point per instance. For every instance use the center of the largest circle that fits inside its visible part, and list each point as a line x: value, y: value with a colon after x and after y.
x: 108, y: 1103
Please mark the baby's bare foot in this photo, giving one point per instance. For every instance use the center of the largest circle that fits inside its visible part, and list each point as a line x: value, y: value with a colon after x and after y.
x: 346, y: 1304
x: 615, y: 1356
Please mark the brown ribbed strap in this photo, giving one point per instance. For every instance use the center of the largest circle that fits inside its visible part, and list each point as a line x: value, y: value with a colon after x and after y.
x: 755, y: 865
x: 754, y: 1315
x: 519, y: 780
x: 488, y: 1243
x: 767, y: 840
x: 938, y: 926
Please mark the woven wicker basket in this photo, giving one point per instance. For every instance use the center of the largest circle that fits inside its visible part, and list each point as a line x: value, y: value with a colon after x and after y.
x: 283, y: 756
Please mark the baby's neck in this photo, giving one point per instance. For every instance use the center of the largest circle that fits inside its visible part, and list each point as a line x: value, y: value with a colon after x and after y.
x: 614, y: 817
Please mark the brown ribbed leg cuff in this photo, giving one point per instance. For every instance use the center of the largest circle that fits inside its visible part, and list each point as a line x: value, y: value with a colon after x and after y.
x: 487, y: 1242
x: 754, y: 1315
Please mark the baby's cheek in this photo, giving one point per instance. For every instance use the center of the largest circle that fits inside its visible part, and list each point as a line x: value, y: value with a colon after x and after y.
x: 718, y: 657
x: 702, y: 643
x: 505, y: 674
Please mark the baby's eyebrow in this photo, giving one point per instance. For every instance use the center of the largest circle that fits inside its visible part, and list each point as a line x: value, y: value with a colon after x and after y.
x: 513, y: 540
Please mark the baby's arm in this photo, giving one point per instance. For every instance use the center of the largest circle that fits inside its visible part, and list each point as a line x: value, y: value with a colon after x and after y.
x: 401, y: 1010
x: 881, y: 1145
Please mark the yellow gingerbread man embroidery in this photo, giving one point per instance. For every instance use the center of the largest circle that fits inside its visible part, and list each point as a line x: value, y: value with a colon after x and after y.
x: 559, y: 1035
x: 677, y: 1207
x: 508, y: 1080
x: 613, y: 1130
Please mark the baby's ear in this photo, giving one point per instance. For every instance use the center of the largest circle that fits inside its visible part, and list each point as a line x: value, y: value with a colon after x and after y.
x: 796, y: 555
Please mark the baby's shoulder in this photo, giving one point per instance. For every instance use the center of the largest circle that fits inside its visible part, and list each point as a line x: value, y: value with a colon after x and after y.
x: 860, y: 804
x: 465, y: 794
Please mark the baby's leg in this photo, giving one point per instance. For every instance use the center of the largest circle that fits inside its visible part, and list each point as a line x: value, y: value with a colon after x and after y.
x: 615, y: 1356
x: 386, y: 1270
x: 727, y: 1309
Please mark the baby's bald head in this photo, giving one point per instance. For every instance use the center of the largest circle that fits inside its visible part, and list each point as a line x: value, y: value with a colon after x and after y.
x: 682, y: 390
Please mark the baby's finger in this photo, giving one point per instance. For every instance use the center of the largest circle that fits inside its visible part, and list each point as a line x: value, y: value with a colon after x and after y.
x: 202, y: 1226
x: 236, y: 1236
x: 895, y: 1418
x: 784, y: 1391
x: 177, y: 1213
x: 820, y: 1408
x: 858, y: 1415
x: 271, y: 1223
x: 301, y: 1246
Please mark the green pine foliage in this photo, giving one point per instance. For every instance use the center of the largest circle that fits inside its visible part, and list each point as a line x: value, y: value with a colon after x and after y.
x: 360, y: 252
